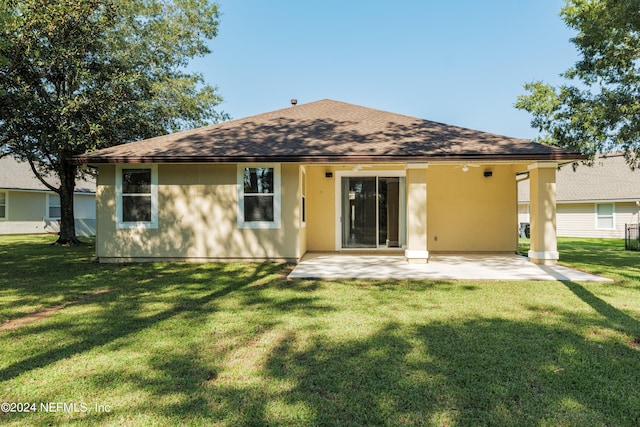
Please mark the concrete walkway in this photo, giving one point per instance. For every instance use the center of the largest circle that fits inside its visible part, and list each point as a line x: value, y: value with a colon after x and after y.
x: 450, y: 267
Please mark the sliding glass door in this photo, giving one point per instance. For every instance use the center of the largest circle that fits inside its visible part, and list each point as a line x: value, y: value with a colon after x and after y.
x: 372, y: 212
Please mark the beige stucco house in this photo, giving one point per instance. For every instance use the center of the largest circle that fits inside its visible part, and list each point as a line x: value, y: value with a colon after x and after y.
x: 324, y: 176
x: 592, y: 201
x: 27, y: 206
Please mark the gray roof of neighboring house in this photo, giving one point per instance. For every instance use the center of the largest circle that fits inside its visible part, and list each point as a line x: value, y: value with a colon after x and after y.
x: 328, y: 131
x: 16, y: 175
x: 609, y: 179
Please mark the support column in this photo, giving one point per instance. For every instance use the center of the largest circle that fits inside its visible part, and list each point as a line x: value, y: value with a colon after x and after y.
x: 417, y: 214
x: 544, y: 245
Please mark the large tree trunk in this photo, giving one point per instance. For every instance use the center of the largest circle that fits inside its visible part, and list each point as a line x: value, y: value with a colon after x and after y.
x: 67, y: 174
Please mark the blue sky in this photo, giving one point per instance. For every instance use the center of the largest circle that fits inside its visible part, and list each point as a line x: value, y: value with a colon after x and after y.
x: 459, y: 62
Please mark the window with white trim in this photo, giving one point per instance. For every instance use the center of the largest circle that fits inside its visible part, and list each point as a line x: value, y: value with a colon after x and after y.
x: 259, y: 196
x: 137, y: 196
x: 54, y: 208
x: 3, y: 205
x: 604, y: 216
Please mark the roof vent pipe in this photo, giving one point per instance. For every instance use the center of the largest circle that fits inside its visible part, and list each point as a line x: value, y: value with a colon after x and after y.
x: 294, y: 102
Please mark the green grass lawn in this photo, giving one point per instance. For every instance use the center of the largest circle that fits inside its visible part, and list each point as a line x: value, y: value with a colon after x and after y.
x: 238, y: 344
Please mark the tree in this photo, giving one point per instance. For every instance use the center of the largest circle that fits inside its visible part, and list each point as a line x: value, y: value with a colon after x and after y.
x: 80, y: 75
x: 598, y: 109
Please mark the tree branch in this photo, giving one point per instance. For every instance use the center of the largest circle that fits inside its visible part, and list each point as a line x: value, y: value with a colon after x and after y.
x: 41, y: 179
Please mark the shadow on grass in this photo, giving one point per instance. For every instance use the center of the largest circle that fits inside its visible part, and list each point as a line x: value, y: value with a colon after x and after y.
x: 596, y: 256
x: 466, y: 372
x: 459, y: 372
x: 123, y: 310
x: 617, y: 318
x: 474, y: 372
x: 601, y: 256
x: 108, y: 327
x: 463, y: 371
x: 35, y: 275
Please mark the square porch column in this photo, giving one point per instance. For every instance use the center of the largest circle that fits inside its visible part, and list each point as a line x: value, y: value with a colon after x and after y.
x: 416, y: 250
x: 544, y: 245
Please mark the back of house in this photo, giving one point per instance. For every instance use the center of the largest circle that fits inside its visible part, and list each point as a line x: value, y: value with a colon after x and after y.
x: 324, y: 176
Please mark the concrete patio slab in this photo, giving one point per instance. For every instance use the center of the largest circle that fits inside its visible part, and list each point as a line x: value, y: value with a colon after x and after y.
x: 451, y: 267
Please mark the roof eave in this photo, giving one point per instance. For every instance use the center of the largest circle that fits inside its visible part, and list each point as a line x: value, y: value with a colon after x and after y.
x: 559, y: 157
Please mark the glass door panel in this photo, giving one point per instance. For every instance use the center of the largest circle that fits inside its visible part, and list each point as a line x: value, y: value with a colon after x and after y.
x: 389, y: 212
x: 359, y: 212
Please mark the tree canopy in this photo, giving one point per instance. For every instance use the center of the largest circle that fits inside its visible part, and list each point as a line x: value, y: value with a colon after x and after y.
x: 80, y: 75
x: 598, y: 109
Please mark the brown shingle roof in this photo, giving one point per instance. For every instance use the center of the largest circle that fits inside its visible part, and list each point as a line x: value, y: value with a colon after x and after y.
x: 327, y: 131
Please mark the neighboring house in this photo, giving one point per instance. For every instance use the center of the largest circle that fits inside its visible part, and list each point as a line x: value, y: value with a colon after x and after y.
x: 594, y: 201
x: 323, y: 176
x: 28, y: 207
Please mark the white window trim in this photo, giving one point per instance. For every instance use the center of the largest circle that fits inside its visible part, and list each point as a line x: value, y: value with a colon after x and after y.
x: 6, y: 206
x: 277, y: 197
x: 48, y: 216
x: 154, y: 197
x: 613, y: 216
